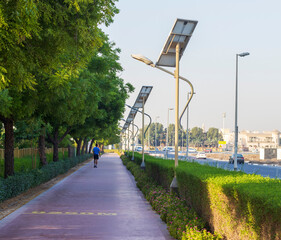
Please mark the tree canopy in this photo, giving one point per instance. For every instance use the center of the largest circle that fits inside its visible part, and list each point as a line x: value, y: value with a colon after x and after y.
x: 58, y: 69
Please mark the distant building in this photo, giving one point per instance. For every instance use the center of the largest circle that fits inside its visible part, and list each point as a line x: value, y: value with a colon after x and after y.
x: 252, y: 139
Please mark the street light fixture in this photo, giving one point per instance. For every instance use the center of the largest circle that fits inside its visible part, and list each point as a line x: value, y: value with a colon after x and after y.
x: 155, y: 132
x: 170, y: 57
x: 187, y: 115
x: 139, y: 103
x: 133, y: 135
x: 144, y: 114
x: 244, y: 54
x: 167, y: 134
x: 127, y: 139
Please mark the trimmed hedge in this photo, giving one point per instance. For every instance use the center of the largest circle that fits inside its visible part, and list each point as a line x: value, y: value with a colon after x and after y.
x: 182, y: 221
x: 235, y: 204
x: 20, y: 182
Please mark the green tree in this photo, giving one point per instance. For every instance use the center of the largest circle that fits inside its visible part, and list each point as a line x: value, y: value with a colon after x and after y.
x: 213, y: 136
x: 108, y: 107
x: 197, y: 136
x: 171, y: 135
x: 43, y: 40
x: 150, y: 137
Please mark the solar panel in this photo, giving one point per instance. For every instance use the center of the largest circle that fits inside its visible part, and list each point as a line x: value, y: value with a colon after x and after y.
x: 181, y: 33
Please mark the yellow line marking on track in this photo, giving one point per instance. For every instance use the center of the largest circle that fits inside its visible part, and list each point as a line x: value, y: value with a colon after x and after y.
x: 74, y: 213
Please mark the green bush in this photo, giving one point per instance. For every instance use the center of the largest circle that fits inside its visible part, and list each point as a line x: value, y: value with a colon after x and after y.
x: 235, y: 204
x: 195, y: 234
x: 24, y: 164
x: 22, y: 181
x: 172, y: 210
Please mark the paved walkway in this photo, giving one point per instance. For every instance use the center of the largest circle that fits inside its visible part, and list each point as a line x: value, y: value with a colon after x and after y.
x: 92, y: 203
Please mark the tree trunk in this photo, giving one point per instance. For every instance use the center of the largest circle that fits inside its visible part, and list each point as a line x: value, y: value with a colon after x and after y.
x: 71, y: 152
x: 55, y: 151
x: 84, y: 147
x: 55, y: 140
x: 56, y: 145
x: 78, y: 149
x: 91, y: 145
x: 41, y: 147
x: 9, y: 147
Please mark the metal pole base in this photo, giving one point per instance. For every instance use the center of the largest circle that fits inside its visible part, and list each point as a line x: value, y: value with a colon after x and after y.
x: 132, y: 159
x: 174, y: 186
x: 143, y: 165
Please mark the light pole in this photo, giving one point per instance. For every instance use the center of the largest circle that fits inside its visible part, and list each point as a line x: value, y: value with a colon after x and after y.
x: 170, y: 56
x: 133, y: 136
x: 187, y: 115
x: 143, y: 133
x: 155, y: 133
x: 147, y: 61
x: 244, y: 54
x: 148, y: 138
x: 167, y: 135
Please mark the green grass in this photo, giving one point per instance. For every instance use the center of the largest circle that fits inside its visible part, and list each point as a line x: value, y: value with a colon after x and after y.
x: 24, y: 164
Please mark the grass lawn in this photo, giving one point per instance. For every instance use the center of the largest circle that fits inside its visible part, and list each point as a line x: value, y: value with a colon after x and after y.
x: 25, y: 163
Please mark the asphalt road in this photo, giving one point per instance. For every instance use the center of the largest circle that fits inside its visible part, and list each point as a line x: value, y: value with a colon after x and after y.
x: 259, y: 169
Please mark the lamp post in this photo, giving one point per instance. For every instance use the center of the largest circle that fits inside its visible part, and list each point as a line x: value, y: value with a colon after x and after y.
x: 170, y: 56
x: 147, y: 61
x: 125, y: 142
x: 244, y: 54
x: 187, y: 115
x: 148, y: 138
x: 133, y: 135
x: 167, y: 135
x: 155, y: 144
x: 143, y: 133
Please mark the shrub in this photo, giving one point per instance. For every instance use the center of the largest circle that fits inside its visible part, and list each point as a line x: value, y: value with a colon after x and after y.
x: 20, y: 182
x: 172, y: 210
x: 235, y: 204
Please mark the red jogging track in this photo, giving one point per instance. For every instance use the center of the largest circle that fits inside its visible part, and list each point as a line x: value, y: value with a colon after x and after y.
x: 92, y: 203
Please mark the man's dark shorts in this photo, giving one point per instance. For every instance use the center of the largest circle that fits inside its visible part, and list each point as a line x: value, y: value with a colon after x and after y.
x: 96, y: 156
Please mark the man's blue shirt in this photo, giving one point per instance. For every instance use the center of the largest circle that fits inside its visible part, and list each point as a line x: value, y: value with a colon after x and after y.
x: 96, y: 150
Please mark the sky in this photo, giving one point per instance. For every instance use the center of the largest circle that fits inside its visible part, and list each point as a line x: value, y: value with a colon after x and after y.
x: 224, y: 29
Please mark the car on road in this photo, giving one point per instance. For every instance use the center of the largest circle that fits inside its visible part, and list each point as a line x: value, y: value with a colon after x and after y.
x: 208, y: 150
x: 172, y: 151
x: 240, y: 159
x: 255, y: 150
x: 192, y: 150
x: 138, y: 149
x: 201, y: 155
x: 168, y: 149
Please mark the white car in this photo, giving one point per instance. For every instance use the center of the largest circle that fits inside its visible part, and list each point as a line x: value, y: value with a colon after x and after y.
x: 201, y: 155
x: 138, y: 149
x: 192, y: 150
x: 168, y: 148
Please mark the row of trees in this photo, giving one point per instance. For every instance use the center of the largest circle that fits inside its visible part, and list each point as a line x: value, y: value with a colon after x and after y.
x: 58, y: 74
x: 156, y: 135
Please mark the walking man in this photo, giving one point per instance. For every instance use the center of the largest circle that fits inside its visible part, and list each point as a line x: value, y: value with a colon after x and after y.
x: 96, y: 151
